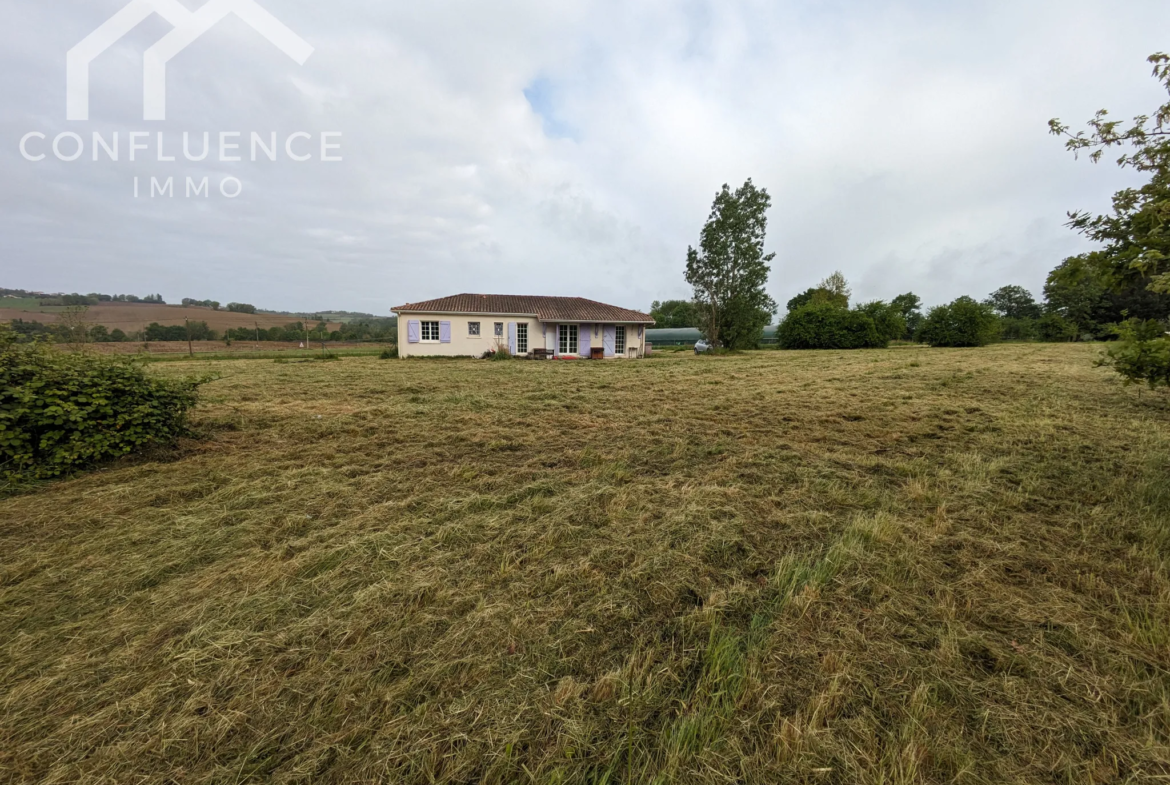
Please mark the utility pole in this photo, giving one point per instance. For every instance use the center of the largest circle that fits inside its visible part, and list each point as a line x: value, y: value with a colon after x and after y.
x: 190, y: 351
x: 257, y: 336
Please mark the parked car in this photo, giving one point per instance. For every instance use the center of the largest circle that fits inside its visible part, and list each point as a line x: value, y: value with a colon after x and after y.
x: 702, y: 346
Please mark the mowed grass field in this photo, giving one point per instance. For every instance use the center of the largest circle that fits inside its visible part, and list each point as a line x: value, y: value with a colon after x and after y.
x: 911, y: 565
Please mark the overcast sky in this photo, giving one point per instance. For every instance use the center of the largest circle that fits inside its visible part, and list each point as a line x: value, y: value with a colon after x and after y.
x: 572, y: 147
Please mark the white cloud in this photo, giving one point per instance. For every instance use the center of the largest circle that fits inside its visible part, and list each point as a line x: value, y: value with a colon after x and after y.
x: 903, y: 142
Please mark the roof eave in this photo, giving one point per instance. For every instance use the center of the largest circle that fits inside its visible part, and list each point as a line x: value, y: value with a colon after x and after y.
x: 537, y: 317
x: 462, y: 313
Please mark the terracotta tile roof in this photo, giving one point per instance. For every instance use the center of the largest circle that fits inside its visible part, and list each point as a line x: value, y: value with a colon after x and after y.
x: 546, y: 309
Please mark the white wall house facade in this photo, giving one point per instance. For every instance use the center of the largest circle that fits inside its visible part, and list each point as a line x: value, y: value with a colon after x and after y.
x: 467, y: 325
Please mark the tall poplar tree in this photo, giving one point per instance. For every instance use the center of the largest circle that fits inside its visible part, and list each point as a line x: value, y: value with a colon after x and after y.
x: 730, y: 269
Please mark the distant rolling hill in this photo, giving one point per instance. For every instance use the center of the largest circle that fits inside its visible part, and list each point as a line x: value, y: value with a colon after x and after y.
x: 331, y: 316
x: 135, y: 316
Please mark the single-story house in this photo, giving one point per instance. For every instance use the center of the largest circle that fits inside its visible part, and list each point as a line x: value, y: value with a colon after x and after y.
x: 471, y: 324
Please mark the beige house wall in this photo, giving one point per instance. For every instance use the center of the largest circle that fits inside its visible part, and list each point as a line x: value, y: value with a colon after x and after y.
x: 596, y: 335
x: 541, y: 335
x: 462, y: 344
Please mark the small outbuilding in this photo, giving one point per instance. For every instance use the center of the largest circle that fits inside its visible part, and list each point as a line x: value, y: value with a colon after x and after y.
x: 471, y: 324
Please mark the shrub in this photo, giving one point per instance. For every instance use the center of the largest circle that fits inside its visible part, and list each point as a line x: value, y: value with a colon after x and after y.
x: 963, y: 322
x: 389, y: 354
x: 501, y: 352
x: 823, y: 325
x: 63, y: 411
x: 1141, y: 355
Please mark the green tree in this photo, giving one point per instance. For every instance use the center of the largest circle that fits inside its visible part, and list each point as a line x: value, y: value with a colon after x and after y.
x: 212, y: 304
x: 743, y: 321
x: 1013, y: 302
x: 837, y: 288
x: 801, y: 300
x: 73, y: 326
x: 1017, y: 310
x: 886, y: 318
x: 818, y: 294
x: 197, y: 331
x: 1135, y: 238
x: 1079, y: 291
x: 963, y: 322
x: 673, y: 313
x: 1054, y: 328
x: 730, y: 269
x: 241, y: 308
x: 910, y: 306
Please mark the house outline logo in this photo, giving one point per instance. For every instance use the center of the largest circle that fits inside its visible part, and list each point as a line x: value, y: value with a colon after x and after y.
x: 189, y: 26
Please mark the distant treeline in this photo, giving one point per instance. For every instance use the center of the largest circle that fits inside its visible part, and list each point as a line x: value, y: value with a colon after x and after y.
x: 327, y: 316
x: 379, y: 330
x: 95, y: 298
x: 189, y: 302
x: 1079, y: 304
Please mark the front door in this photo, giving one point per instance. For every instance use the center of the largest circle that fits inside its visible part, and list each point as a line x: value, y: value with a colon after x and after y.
x: 567, y: 339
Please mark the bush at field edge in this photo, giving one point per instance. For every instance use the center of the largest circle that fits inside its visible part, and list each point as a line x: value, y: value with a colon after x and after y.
x: 60, y: 411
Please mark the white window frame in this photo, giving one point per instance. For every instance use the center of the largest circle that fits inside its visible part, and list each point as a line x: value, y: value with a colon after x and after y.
x: 473, y: 329
x: 521, y: 338
x: 426, y: 328
x: 498, y: 330
x: 619, y: 339
x: 568, y: 339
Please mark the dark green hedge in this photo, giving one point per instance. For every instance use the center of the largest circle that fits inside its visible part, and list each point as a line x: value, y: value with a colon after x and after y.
x: 820, y: 325
x: 62, y: 411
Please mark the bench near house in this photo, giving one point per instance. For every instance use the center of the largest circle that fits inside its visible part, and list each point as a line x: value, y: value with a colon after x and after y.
x: 471, y: 324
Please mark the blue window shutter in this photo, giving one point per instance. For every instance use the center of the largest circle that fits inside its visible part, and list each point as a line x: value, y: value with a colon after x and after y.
x: 609, y: 339
x: 584, y: 338
x: 512, y: 337
x: 412, y: 331
x: 444, y: 332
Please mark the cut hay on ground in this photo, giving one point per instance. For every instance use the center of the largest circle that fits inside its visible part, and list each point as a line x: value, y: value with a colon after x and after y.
x: 889, y: 566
